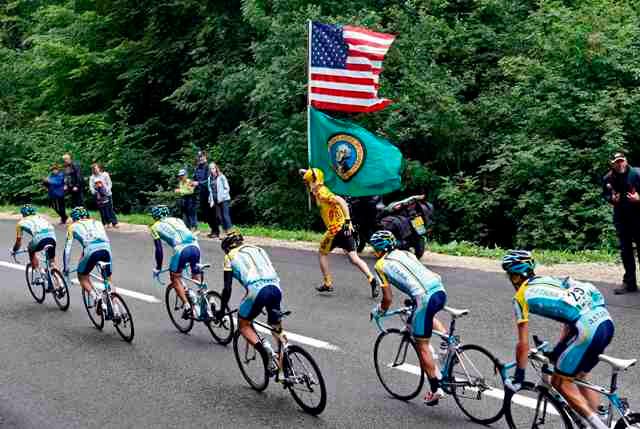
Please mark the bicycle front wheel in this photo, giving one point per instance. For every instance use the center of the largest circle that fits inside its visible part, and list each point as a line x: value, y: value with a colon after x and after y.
x: 252, y: 364
x: 221, y: 330
x: 476, y: 385
x: 397, y: 364
x: 35, y: 284
x: 304, y: 380
x: 122, y: 319
x: 96, y: 319
x: 533, y: 407
x: 60, y: 290
x: 175, y: 308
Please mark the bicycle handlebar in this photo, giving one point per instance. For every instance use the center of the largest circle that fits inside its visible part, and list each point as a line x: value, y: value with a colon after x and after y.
x: 391, y: 313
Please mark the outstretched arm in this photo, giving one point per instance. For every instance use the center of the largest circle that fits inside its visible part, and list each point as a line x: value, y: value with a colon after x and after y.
x: 226, y: 292
x: 158, y: 253
x: 67, y: 249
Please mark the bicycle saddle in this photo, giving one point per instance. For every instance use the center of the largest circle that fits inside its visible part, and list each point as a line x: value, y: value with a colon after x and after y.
x: 103, y: 264
x: 618, y: 364
x: 203, y: 266
x: 455, y: 313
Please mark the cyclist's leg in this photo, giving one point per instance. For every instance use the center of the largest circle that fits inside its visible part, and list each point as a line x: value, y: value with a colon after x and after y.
x: 33, y: 256
x: 325, y: 249
x: 176, y: 265
x: 51, y: 253
x: 422, y: 325
x: 87, y: 263
x: 601, y: 340
x: 250, y: 307
x: 273, y: 300
x: 193, y: 259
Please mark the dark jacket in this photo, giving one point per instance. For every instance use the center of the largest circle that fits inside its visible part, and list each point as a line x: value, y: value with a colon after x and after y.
x: 200, y: 175
x: 73, y: 177
x: 55, y: 185
x: 622, y: 184
x: 102, y: 197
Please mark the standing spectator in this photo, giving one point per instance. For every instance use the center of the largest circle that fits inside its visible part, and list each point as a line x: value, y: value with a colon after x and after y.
x: 100, y: 186
x: 620, y: 189
x: 55, y: 185
x: 220, y: 195
x: 73, y: 180
x: 186, y: 190
x: 201, y: 177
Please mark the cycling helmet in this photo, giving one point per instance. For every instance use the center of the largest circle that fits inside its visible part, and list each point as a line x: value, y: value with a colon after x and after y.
x: 27, y: 210
x: 78, y: 213
x: 519, y: 262
x: 313, y: 175
x: 383, y: 241
x: 232, y: 240
x: 159, y: 212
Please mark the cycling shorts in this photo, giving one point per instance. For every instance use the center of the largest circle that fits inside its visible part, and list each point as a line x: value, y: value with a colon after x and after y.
x: 340, y: 240
x: 426, y: 308
x: 91, y: 259
x: 268, y: 297
x: 589, y: 337
x: 189, y: 255
x: 37, y: 246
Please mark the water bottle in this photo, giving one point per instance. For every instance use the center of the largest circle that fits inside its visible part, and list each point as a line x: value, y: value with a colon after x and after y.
x: 194, y: 302
x: 436, y: 358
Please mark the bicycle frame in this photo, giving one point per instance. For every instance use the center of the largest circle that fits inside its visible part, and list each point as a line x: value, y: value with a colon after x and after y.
x: 201, y: 285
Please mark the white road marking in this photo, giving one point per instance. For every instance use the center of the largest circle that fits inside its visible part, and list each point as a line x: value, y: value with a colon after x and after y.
x: 12, y: 265
x: 303, y: 340
x: 494, y: 393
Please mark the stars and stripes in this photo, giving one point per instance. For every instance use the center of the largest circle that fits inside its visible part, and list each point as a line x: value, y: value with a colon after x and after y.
x: 345, y: 64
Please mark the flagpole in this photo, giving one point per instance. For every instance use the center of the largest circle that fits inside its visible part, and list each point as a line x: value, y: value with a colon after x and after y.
x: 309, y: 32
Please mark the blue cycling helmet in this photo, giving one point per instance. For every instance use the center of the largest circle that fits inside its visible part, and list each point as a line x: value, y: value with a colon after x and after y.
x: 78, y: 213
x: 383, y: 241
x: 159, y: 212
x: 27, y: 210
x: 519, y: 262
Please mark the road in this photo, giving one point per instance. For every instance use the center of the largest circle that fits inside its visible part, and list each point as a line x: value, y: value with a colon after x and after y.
x: 57, y: 371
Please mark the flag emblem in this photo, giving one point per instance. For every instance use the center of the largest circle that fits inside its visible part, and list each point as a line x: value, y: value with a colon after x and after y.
x: 347, y: 155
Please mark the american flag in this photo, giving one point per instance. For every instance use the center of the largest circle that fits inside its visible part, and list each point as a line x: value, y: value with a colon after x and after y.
x: 345, y: 63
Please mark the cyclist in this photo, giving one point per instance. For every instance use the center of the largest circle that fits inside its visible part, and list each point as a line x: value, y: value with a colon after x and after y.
x: 335, y: 214
x: 186, y: 251
x: 405, y: 272
x: 42, y: 234
x: 251, y: 266
x: 587, y: 329
x: 95, y: 248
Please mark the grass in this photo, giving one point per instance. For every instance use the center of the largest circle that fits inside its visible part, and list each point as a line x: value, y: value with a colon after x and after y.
x: 461, y: 248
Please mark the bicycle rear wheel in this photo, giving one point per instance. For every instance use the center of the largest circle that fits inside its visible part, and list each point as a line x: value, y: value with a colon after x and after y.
x: 96, y: 319
x: 123, y: 321
x: 304, y: 380
x: 397, y: 365
x: 37, y: 290
x: 534, y: 408
x: 175, y: 308
x: 476, y: 385
x: 221, y: 330
x: 633, y: 421
x: 252, y: 364
x: 60, y: 290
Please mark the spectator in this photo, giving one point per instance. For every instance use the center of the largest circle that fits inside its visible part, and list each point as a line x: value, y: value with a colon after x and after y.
x: 207, y: 212
x: 55, y: 185
x: 620, y: 189
x: 73, y: 180
x: 186, y: 190
x: 220, y: 195
x: 100, y: 186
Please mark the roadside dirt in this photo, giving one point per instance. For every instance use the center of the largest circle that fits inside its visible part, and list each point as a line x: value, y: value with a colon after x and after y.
x: 600, y: 272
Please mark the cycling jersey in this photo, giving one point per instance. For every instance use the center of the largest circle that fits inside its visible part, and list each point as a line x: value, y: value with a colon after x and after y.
x: 404, y: 271
x: 174, y: 232
x: 330, y: 210
x: 92, y: 237
x: 563, y: 300
x: 37, y: 227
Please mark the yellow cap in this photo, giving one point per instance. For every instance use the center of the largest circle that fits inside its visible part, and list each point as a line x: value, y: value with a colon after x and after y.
x: 314, y: 175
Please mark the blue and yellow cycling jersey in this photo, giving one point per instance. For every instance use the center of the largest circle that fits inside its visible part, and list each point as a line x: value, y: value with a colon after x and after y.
x: 251, y: 266
x: 174, y: 232
x: 90, y: 234
x: 36, y: 226
x: 404, y: 271
x: 564, y: 300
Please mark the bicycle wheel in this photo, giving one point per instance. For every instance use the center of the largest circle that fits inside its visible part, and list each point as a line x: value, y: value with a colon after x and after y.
x: 476, y: 385
x: 304, y: 380
x: 222, y: 331
x: 397, y: 365
x: 61, y: 291
x: 97, y: 320
x: 534, y: 408
x: 175, y: 308
x: 633, y: 421
x: 123, y: 321
x: 252, y: 364
x: 37, y: 289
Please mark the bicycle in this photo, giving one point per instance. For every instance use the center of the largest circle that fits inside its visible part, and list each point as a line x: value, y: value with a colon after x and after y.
x: 50, y: 281
x: 204, y: 303
x: 553, y: 411
x: 109, y: 305
x: 470, y: 373
x: 300, y: 372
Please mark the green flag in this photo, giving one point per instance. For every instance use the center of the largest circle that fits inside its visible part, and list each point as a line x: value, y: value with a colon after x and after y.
x: 355, y: 162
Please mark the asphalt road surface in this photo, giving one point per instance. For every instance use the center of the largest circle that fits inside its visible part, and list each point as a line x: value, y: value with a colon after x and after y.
x: 57, y: 371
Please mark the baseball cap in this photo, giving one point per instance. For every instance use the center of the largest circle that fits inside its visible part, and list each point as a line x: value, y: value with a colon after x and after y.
x: 182, y: 172
x: 618, y: 156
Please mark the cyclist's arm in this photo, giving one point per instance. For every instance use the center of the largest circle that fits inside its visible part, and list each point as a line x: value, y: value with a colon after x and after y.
x: 522, y: 348
x: 228, y: 281
x: 67, y: 248
x: 343, y: 205
x: 387, y: 296
x: 18, y: 243
x: 158, y: 253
